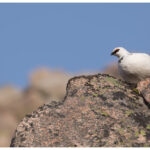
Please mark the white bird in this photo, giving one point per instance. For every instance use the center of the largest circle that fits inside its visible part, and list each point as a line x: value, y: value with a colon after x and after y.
x: 133, y: 67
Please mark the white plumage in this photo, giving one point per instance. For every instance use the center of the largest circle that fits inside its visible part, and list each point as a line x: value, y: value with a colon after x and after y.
x: 133, y: 67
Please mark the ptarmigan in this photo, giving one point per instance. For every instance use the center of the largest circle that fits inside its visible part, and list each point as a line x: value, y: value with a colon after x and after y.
x: 133, y: 67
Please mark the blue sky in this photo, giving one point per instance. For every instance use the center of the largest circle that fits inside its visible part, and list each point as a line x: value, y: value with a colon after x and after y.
x: 72, y: 37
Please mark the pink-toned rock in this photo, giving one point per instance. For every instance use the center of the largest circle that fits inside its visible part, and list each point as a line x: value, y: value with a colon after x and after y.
x: 45, y: 85
x: 144, y: 89
x: 97, y: 111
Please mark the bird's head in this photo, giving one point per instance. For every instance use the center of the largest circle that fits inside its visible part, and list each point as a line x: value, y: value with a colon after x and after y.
x: 119, y: 52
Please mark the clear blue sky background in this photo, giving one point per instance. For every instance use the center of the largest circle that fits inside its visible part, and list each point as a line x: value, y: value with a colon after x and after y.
x: 73, y: 37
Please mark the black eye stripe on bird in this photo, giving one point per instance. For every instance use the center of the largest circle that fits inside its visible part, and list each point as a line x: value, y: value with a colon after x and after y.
x: 115, y: 51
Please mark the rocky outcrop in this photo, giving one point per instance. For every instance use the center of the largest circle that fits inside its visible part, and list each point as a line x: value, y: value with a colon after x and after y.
x: 144, y: 89
x: 98, y: 110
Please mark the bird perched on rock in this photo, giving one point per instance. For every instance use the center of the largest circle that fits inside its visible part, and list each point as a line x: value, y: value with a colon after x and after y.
x: 133, y: 67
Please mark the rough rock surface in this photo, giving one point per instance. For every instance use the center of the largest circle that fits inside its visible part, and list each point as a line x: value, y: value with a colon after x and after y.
x: 98, y: 110
x: 144, y: 89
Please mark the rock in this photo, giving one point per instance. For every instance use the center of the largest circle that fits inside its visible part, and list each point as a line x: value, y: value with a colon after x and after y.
x: 97, y: 111
x: 8, y: 94
x: 8, y: 125
x: 15, y: 103
x: 144, y: 89
x: 49, y: 84
x: 10, y: 97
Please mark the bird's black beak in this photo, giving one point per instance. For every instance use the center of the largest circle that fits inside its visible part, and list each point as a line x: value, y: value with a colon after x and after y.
x: 112, y: 53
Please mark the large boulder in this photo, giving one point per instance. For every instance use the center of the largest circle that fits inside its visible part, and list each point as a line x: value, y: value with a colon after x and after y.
x: 98, y: 110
